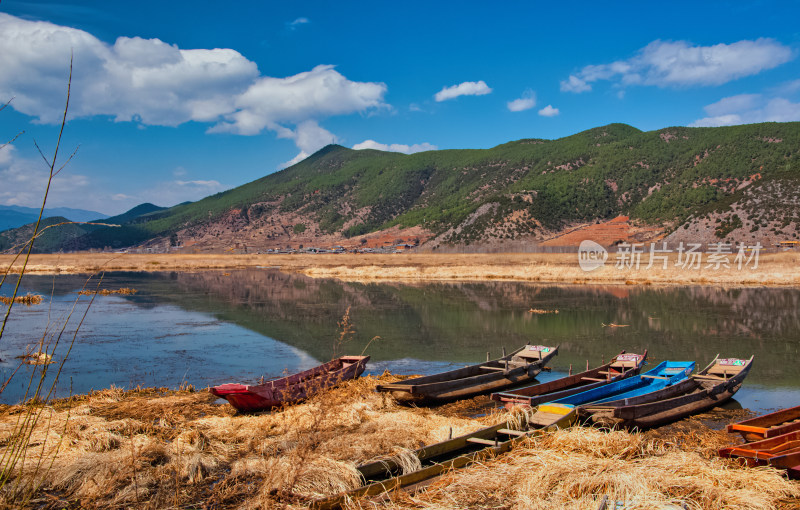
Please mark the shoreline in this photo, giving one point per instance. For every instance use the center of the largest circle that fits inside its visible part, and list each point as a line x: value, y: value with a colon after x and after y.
x: 178, y: 448
x: 774, y: 269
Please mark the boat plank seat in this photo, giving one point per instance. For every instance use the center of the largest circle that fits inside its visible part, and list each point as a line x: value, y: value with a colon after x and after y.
x: 709, y: 377
x: 511, y: 432
x: 542, y: 418
x: 477, y: 440
x: 654, y: 377
x: 787, y: 446
x: 534, y: 355
x: 501, y: 369
x: 593, y: 379
x: 518, y: 363
x: 606, y: 372
x: 395, y: 386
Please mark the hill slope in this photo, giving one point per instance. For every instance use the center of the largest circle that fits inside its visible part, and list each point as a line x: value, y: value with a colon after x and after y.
x: 676, y: 179
x: 12, y: 216
x: 72, y: 236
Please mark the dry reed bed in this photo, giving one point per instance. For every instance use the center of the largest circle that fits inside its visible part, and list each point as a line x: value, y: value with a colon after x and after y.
x: 148, y: 450
x: 160, y: 449
x: 108, y: 292
x: 573, y: 469
x: 774, y: 268
x: 27, y: 299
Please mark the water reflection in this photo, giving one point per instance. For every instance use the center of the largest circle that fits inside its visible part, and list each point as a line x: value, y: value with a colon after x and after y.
x: 215, y: 325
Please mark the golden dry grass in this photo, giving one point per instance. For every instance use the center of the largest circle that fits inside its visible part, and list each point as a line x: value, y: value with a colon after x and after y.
x: 774, y: 268
x: 107, y: 292
x: 36, y: 358
x: 27, y: 299
x: 573, y: 469
x: 155, y: 448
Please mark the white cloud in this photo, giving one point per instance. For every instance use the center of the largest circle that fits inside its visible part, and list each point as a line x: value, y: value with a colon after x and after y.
x: 468, y: 88
x: 152, y: 82
x: 526, y: 102
x: 789, y: 87
x: 733, y: 104
x: 145, y: 79
x: 299, y: 21
x: 300, y: 157
x: 24, y: 182
x: 678, y: 63
x: 199, y: 184
x: 319, y: 93
x: 748, y: 109
x: 549, y: 111
x: 720, y: 120
x: 6, y: 153
x: 169, y: 193
x: 395, y: 147
x: 575, y: 84
x: 309, y: 138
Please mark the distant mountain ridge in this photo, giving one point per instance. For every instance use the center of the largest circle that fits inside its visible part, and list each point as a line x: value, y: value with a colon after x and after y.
x: 73, y: 237
x: 12, y: 216
x: 736, y: 183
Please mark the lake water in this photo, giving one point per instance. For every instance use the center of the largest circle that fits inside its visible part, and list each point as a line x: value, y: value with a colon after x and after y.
x: 212, y: 327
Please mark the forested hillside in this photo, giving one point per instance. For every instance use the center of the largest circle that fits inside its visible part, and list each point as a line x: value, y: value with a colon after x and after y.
x: 676, y: 178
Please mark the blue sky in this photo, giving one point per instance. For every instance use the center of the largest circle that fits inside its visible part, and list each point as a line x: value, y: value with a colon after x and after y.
x: 173, y: 101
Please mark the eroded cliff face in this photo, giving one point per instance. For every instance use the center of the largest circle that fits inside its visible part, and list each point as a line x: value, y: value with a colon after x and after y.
x: 265, y: 226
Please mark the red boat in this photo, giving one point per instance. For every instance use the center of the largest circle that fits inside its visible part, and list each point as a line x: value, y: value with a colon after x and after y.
x: 293, y: 388
x: 779, y: 451
x: 768, y: 425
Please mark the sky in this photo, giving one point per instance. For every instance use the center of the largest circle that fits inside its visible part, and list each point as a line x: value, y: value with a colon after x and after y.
x: 175, y: 101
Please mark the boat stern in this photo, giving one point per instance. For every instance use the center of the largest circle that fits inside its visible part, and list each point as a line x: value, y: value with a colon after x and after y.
x: 242, y: 398
x: 554, y: 415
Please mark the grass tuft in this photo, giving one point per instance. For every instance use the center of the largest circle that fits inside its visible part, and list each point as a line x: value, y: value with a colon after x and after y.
x: 27, y: 299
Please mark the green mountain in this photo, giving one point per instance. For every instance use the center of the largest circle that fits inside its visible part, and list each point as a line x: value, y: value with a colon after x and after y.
x: 56, y: 236
x: 677, y: 178
x: 12, y: 216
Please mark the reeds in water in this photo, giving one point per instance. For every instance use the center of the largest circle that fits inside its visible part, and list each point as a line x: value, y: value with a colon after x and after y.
x: 27, y: 299
x: 107, y: 292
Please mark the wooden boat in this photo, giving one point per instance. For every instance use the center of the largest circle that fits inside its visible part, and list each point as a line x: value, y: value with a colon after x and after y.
x: 293, y: 388
x: 662, y: 375
x: 768, y: 425
x: 712, y: 386
x: 519, y: 367
x: 387, y: 474
x: 781, y: 451
x: 620, y: 367
x: 637, y: 388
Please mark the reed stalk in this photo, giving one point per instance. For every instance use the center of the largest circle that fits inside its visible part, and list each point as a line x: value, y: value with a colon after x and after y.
x: 21, y: 475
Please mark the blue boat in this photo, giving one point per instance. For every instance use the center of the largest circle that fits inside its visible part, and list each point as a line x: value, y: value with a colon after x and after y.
x: 634, y: 390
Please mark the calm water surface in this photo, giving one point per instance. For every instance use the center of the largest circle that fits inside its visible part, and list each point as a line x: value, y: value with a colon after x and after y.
x: 213, y: 327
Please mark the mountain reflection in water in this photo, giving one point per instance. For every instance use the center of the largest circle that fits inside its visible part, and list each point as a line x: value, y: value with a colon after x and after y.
x: 211, y: 327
